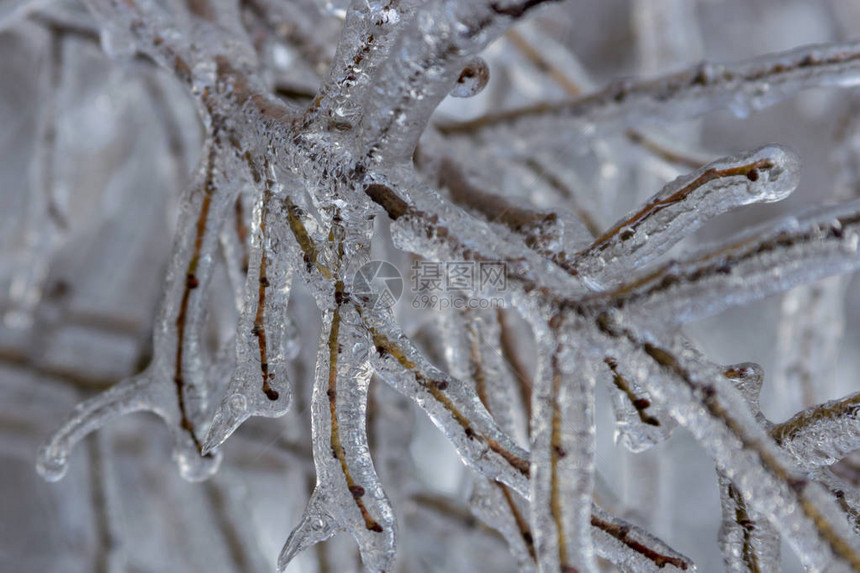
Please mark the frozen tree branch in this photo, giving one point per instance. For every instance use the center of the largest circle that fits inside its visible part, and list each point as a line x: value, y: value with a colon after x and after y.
x: 742, y: 88
x: 294, y: 198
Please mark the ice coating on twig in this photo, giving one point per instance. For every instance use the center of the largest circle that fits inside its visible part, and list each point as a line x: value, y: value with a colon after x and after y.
x: 697, y: 395
x: 740, y: 87
x: 641, y: 423
x: 823, y: 434
x: 562, y: 454
x: 452, y: 406
x: 426, y: 62
x: 472, y: 355
x: 173, y: 385
x: 844, y: 493
x: 748, y: 540
x: 748, y: 378
x: 633, y: 549
x: 496, y: 386
x: 808, y: 350
x: 540, y: 230
x: 370, y: 30
x: 424, y: 226
x: 749, y: 268
x: 616, y: 540
x: 471, y: 358
x: 345, y: 160
x: 235, y: 248
x: 762, y: 176
x: 495, y: 505
x: 260, y: 385
x: 348, y: 495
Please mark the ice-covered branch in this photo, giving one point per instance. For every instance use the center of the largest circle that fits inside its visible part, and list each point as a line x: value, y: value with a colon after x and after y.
x: 741, y: 87
x: 813, y: 316
x: 769, y: 261
x: 433, y: 226
x: 762, y: 176
x: 471, y: 357
x: 641, y: 422
x: 174, y: 385
x: 450, y: 404
x: 426, y: 64
x: 633, y: 549
x: 348, y: 495
x: 260, y: 385
x: 562, y: 453
x: 458, y: 411
x: 287, y: 193
x: 748, y: 542
x: 823, y: 434
x: 370, y: 30
x: 699, y: 397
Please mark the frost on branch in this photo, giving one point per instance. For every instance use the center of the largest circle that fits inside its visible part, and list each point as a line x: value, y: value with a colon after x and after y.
x: 329, y: 141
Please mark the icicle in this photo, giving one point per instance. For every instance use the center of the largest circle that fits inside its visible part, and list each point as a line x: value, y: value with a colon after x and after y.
x: 348, y: 495
x: 260, y: 385
x: 173, y: 385
x: 749, y: 542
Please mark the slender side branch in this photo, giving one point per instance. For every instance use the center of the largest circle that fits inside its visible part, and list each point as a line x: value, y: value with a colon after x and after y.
x: 740, y: 87
x: 752, y: 267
